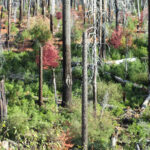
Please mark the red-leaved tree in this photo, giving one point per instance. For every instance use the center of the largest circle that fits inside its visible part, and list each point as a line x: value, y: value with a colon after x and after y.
x: 116, y: 37
x: 50, y: 56
x: 58, y: 15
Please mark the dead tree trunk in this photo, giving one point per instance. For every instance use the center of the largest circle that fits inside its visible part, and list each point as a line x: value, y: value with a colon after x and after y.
x: 43, y: 7
x: 67, y: 70
x: 117, y: 11
x: 3, y: 102
x: 100, y: 28
x: 84, y: 10
x: 21, y: 10
x: 149, y: 44
x: 41, y: 77
x: 52, y: 13
x: 109, y: 10
x: 95, y: 62
x: 55, y: 87
x: 138, y: 9
x: 37, y: 7
x: 9, y: 22
x: 28, y: 18
x: 103, y: 49
x: 84, y: 94
x: 49, y: 2
x: 1, y: 17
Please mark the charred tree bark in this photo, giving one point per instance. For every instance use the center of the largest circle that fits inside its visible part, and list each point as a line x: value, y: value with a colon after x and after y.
x: 51, y: 24
x: 2, y: 13
x: 100, y: 28
x: 21, y: 10
x: 43, y: 7
x: 109, y: 11
x: 1, y: 17
x: 41, y: 77
x: 67, y: 70
x: 117, y: 11
x: 149, y: 44
x: 49, y: 2
x: 3, y: 102
x: 103, y: 50
x: 84, y: 10
x: 9, y: 22
x: 84, y: 94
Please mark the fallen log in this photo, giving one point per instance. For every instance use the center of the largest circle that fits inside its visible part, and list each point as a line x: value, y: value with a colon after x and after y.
x: 145, y: 103
x: 120, y: 80
x: 147, y: 100
x: 117, y: 62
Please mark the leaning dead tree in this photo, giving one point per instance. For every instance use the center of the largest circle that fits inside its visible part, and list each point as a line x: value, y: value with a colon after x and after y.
x: 3, y: 102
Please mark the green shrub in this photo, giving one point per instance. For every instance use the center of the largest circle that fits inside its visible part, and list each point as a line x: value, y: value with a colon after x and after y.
x: 40, y: 32
x: 14, y: 29
x: 138, y: 132
x: 141, y: 41
x: 76, y: 50
x: 76, y: 35
x: 134, y: 96
x: 137, y: 72
x: 26, y: 34
x: 131, y: 23
x: 114, y: 96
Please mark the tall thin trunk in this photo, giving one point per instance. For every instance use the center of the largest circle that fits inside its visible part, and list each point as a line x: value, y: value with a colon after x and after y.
x: 67, y: 70
x: 2, y: 13
x: 24, y: 3
x: 95, y: 62
x: 109, y: 11
x: 9, y: 22
x: 100, y: 28
x: 21, y: 10
x: 149, y: 43
x: 41, y: 77
x: 84, y: 94
x: 1, y: 17
x: 55, y: 87
x: 52, y: 13
x: 37, y: 5
x: 84, y: 9
x: 117, y: 11
x: 49, y: 2
x: 43, y: 7
x: 74, y: 4
x: 3, y: 102
x: 138, y: 9
x: 28, y: 19
x: 103, y: 50
x: 51, y: 23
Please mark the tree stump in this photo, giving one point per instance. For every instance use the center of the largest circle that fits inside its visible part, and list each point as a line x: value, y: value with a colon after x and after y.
x: 3, y: 102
